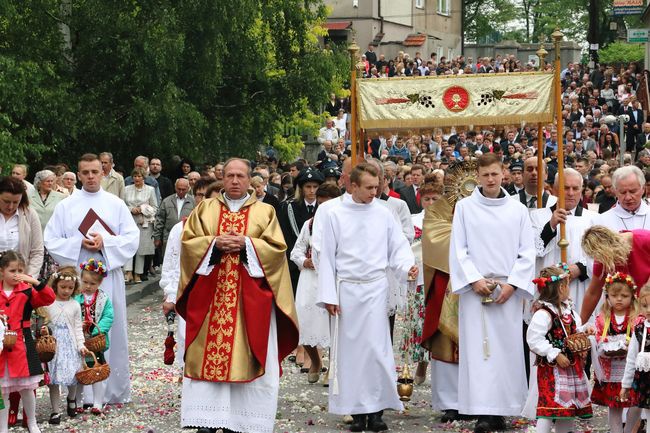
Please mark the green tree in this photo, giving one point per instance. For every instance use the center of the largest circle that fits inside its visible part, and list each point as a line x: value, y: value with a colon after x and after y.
x: 622, y: 52
x: 198, y: 78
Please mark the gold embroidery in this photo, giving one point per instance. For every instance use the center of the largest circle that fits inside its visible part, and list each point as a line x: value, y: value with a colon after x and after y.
x: 223, y: 311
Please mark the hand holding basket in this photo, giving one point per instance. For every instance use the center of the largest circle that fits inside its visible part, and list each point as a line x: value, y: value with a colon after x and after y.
x: 96, y: 373
x: 46, y: 345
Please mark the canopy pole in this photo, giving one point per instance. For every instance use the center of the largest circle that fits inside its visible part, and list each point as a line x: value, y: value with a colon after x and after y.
x: 557, y: 38
x: 353, y: 49
x: 541, y: 53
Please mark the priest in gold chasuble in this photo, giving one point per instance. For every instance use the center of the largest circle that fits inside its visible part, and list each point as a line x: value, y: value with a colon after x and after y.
x: 440, y: 327
x: 235, y: 294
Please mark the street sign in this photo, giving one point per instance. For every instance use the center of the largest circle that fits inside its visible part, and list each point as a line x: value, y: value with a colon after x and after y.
x: 627, y: 7
x: 637, y: 35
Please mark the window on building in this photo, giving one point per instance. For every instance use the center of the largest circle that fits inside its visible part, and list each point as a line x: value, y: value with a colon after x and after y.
x: 444, y: 7
x: 419, y: 4
x: 440, y: 52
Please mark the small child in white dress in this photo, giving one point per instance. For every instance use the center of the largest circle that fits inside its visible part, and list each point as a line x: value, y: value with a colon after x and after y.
x: 313, y: 321
x: 65, y: 325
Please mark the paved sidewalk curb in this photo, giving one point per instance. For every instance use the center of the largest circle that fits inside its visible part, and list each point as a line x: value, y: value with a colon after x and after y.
x: 135, y: 292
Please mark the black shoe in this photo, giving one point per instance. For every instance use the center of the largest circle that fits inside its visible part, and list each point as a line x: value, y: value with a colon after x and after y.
x: 55, y: 419
x: 206, y: 430
x: 72, y: 408
x: 375, y: 423
x: 449, y: 416
x: 144, y: 277
x: 498, y: 423
x: 483, y: 425
x: 358, y: 423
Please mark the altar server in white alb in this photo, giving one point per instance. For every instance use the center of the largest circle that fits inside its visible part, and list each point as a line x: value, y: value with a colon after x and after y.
x: 360, y: 243
x: 110, y: 233
x: 492, y: 377
x: 577, y: 220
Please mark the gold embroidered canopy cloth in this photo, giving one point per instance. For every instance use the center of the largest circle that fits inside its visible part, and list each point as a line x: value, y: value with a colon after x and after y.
x: 477, y: 99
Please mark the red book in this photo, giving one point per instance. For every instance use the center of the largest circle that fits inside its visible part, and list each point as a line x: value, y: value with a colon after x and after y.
x: 91, y: 221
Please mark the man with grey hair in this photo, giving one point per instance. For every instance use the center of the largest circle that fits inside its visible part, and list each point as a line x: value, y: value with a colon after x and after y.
x: 577, y: 220
x: 630, y: 211
x: 142, y: 162
x: 390, y: 172
x: 112, y: 181
x: 192, y: 177
x: 172, y: 210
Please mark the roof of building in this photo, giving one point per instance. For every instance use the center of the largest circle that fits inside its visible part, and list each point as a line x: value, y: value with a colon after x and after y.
x: 338, y: 25
x: 415, y: 40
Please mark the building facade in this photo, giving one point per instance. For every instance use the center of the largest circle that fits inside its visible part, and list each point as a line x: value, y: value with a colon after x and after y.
x: 425, y: 26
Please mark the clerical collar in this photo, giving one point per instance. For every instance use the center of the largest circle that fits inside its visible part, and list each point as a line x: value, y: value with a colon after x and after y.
x: 234, y: 204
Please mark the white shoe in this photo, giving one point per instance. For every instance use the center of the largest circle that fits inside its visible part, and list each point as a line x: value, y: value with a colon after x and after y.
x: 347, y: 419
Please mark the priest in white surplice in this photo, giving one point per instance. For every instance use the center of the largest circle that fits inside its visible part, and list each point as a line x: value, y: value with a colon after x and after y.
x: 577, y: 220
x: 360, y: 242
x: 65, y: 242
x: 630, y: 212
x: 492, y: 377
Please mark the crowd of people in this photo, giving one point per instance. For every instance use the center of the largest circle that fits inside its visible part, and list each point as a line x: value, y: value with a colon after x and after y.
x: 354, y: 246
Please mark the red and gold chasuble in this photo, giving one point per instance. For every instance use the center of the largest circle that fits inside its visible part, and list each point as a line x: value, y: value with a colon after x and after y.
x: 223, y: 312
x: 228, y: 313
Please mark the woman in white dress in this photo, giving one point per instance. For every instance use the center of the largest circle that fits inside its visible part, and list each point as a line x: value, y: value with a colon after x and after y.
x: 313, y: 321
x: 141, y: 201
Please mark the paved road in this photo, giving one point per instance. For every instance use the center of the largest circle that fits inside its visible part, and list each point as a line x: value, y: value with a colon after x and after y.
x: 156, y: 395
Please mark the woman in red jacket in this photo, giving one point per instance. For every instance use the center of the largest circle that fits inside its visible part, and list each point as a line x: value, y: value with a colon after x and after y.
x: 20, y: 368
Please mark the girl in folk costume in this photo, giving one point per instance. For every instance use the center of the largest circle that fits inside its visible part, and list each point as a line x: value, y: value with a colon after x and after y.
x: 313, y: 321
x: 65, y: 326
x: 20, y: 368
x: 614, y: 327
x: 415, y: 306
x: 97, y: 316
x: 562, y: 385
x: 637, y: 365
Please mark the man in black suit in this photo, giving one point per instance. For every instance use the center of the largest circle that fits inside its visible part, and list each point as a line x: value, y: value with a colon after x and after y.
x: 293, y: 214
x: 606, y: 198
x: 634, y: 125
x: 164, y: 184
x: 410, y: 193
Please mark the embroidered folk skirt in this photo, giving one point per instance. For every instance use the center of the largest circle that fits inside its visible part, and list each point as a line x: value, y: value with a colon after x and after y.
x: 563, y: 392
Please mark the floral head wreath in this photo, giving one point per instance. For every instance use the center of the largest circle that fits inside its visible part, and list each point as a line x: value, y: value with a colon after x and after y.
x: 541, y: 282
x: 620, y: 277
x: 64, y: 276
x: 96, y: 266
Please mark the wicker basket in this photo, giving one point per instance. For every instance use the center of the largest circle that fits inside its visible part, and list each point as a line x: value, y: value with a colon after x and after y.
x: 96, y: 373
x: 96, y: 343
x: 9, y: 340
x: 46, y: 345
x: 578, y: 343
